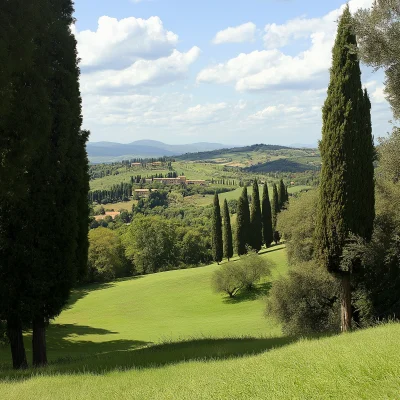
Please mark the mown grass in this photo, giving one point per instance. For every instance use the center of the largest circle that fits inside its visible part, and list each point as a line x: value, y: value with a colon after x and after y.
x: 164, y: 307
x: 168, y: 336
x: 360, y: 365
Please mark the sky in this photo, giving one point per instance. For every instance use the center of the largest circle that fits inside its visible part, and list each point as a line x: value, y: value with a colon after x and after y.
x: 224, y: 71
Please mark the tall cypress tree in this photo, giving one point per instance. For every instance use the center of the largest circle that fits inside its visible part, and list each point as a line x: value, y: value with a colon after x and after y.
x: 24, y: 126
x: 346, y: 188
x: 59, y: 185
x: 274, y: 206
x: 227, y: 239
x: 255, y: 219
x: 267, y: 217
x: 281, y: 195
x: 243, y: 223
x: 216, y: 237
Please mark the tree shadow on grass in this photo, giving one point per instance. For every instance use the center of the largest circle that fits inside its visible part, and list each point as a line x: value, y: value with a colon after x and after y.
x: 259, y: 291
x: 122, y: 355
x: 271, y: 249
x: 82, y: 291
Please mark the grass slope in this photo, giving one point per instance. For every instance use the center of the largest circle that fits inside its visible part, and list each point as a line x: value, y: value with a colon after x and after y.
x: 361, y: 365
x: 164, y: 307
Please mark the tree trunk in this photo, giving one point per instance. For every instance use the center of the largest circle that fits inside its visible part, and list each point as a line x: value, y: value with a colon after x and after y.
x: 14, y: 333
x: 346, y: 311
x: 39, y: 342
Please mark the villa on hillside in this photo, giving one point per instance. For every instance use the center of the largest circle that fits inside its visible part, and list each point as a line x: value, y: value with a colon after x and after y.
x: 180, y: 180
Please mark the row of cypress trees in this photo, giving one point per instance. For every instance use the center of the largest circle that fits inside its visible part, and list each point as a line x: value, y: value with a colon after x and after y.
x: 255, y: 224
x: 44, y: 211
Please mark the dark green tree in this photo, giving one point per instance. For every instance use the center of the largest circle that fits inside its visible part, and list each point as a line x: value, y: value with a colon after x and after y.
x: 216, y: 232
x: 347, y: 157
x: 25, y: 121
x: 256, y: 219
x: 266, y: 217
x: 274, y: 206
x: 58, y: 184
x: 281, y: 195
x: 243, y: 223
x: 228, y: 241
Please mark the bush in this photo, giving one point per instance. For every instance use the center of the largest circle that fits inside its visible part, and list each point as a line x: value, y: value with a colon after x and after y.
x: 228, y: 279
x: 240, y: 275
x: 306, y: 301
x: 254, y: 268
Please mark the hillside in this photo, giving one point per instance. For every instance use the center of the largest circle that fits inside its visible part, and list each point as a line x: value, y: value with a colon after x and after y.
x: 111, y: 152
x: 168, y: 336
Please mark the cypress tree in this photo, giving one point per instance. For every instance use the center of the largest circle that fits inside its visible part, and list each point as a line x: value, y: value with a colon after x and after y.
x: 228, y: 242
x: 266, y: 217
x: 346, y: 188
x: 24, y: 123
x: 281, y: 195
x: 217, y: 244
x: 255, y: 219
x: 243, y: 223
x: 274, y: 206
x: 59, y: 185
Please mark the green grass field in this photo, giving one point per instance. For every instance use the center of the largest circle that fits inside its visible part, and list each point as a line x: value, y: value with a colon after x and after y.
x: 168, y: 336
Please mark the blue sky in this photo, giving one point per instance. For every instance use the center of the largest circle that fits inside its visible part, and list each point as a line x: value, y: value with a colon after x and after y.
x: 234, y: 72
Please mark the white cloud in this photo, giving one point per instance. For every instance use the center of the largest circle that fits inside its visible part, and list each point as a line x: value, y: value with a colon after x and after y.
x: 202, y: 114
x: 119, y: 43
x: 238, y: 34
x: 272, y: 68
x: 273, y: 111
x: 141, y: 73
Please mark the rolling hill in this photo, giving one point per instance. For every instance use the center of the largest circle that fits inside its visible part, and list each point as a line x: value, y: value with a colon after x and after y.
x: 168, y: 336
x: 110, y: 151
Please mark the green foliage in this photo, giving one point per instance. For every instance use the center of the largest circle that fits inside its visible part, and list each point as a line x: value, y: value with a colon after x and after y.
x: 228, y: 279
x: 346, y: 203
x: 266, y: 217
x: 151, y: 244
x: 242, y: 274
x: 281, y: 195
x: 274, y: 206
x: 227, y: 233
x: 306, y: 301
x: 297, y: 225
x: 378, y: 32
x: 243, y: 223
x: 256, y: 238
x: 193, y: 249
x: 106, y: 256
x: 216, y: 231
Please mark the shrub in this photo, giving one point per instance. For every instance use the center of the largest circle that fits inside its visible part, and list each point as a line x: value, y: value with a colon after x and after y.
x: 228, y: 279
x: 253, y: 268
x: 306, y: 301
x: 240, y: 275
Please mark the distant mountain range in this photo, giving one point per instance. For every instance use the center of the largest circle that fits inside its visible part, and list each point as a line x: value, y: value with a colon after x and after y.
x: 110, y: 151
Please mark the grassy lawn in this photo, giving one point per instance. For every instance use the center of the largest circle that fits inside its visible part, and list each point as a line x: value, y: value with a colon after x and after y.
x: 168, y: 336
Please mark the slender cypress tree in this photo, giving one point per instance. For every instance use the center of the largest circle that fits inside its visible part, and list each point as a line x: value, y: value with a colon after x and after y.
x: 266, y: 217
x: 346, y: 189
x: 281, y: 195
x: 243, y: 223
x: 217, y: 243
x: 255, y: 219
x: 274, y: 206
x: 228, y: 241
